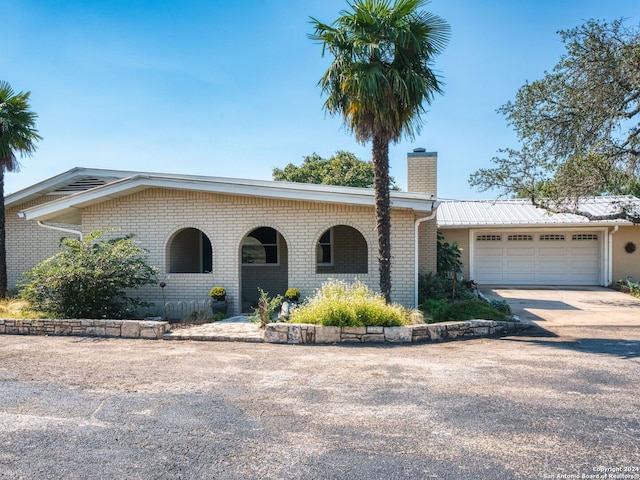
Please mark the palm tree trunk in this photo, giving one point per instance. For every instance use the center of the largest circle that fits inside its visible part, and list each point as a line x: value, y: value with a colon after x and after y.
x: 3, y: 249
x: 380, y: 154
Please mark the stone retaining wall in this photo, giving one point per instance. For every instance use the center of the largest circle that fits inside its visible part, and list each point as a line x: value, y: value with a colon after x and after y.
x: 305, y: 333
x: 86, y: 328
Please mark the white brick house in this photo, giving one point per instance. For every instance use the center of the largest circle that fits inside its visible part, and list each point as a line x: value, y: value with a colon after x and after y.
x: 240, y: 234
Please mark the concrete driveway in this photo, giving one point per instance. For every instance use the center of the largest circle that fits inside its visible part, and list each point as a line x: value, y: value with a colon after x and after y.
x: 571, y: 310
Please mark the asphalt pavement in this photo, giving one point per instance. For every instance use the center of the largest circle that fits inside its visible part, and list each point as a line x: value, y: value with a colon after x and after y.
x: 548, y: 403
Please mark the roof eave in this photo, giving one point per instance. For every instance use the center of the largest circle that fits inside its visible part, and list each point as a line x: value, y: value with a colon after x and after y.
x: 276, y: 190
x: 51, y: 184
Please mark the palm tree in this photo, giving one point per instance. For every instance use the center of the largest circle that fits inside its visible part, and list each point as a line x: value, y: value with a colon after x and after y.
x: 379, y: 82
x: 17, y: 135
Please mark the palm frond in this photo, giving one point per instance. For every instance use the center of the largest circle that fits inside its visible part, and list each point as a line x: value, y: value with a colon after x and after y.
x: 18, y: 134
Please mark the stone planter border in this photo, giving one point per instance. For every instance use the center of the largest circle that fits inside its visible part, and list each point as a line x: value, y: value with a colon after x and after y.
x: 86, y: 328
x: 306, y: 333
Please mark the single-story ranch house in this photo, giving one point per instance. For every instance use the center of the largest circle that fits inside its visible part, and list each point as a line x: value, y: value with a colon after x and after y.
x: 202, y: 232
x: 244, y: 234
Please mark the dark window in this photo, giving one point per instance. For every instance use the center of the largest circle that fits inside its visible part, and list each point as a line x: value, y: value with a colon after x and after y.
x: 190, y: 252
x: 323, y: 252
x: 260, y: 247
x: 341, y: 249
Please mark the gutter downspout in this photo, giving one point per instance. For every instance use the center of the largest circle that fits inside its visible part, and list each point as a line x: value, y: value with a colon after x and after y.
x: 416, y: 249
x: 61, y: 229
x: 610, y: 256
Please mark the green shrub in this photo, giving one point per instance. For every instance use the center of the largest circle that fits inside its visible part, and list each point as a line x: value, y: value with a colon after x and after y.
x: 266, y: 309
x: 435, y: 308
x: 448, y: 256
x: 342, y: 304
x: 438, y: 287
x: 501, y: 306
x: 90, y: 278
x: 474, y: 309
x: 633, y: 287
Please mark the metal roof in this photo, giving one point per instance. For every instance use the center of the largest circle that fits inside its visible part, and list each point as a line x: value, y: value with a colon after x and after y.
x: 520, y: 212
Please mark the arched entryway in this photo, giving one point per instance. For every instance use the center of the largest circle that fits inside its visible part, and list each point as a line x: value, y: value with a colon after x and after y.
x: 264, y: 264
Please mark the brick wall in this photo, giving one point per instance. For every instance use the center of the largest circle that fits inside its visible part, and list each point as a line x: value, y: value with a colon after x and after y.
x: 155, y: 215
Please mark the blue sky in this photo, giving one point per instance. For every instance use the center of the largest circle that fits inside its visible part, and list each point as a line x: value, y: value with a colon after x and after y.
x: 226, y: 88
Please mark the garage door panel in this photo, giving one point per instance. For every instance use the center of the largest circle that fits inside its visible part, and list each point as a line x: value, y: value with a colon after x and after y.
x: 518, y: 278
x: 556, y: 265
x: 521, y: 251
x: 584, y: 251
x: 521, y: 264
x: 490, y: 251
x: 539, y: 258
x: 552, y: 251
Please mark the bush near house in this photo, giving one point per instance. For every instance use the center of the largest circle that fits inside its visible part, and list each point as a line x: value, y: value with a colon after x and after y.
x: 458, y: 311
x: 444, y: 299
x: 342, y: 304
x: 630, y: 287
x: 90, y: 278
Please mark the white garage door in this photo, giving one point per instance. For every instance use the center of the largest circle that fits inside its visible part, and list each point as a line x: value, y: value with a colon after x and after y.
x: 537, y: 258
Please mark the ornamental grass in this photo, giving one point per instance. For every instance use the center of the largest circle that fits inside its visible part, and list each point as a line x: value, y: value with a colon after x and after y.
x: 342, y: 304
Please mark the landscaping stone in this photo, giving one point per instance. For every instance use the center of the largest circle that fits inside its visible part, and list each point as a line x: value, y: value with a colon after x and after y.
x: 294, y: 335
x: 301, y: 333
x: 130, y: 329
x: 84, y: 327
x: 272, y: 335
x: 398, y: 334
x: 327, y: 334
x: 373, y: 338
x: 354, y: 330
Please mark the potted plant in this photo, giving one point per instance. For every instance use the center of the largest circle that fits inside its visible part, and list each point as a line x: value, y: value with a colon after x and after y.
x: 219, y: 302
x: 292, y: 295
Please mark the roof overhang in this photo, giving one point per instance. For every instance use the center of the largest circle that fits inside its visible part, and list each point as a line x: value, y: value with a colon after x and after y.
x: 68, y: 209
x: 51, y: 186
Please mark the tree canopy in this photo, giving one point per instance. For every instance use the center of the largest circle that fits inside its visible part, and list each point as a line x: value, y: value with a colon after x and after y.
x: 379, y: 82
x: 579, y: 126
x: 343, y: 168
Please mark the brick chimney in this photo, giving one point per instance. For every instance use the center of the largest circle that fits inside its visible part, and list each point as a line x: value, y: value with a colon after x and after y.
x: 422, y: 177
x: 422, y: 171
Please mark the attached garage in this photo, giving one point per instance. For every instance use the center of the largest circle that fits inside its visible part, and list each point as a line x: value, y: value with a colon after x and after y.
x: 537, y: 257
x: 511, y: 242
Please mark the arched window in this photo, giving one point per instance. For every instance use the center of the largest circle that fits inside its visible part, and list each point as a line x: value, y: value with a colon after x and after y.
x: 190, y: 252
x: 341, y: 249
